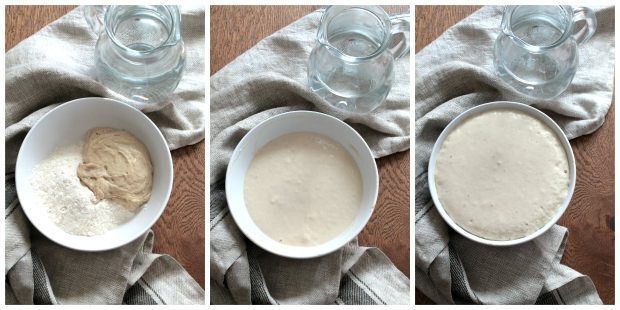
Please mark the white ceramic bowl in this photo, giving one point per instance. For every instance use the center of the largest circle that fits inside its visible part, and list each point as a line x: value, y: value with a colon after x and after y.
x: 300, y: 121
x: 67, y: 124
x: 481, y: 109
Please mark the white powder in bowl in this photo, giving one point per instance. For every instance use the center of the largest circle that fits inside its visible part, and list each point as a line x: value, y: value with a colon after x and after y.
x: 68, y: 203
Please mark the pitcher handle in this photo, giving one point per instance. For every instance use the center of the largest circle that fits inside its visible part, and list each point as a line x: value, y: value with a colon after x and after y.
x: 94, y: 17
x: 400, y: 24
x: 587, y: 31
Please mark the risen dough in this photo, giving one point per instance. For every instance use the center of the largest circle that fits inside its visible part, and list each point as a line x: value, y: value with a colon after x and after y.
x: 116, y: 166
x: 502, y: 174
x: 303, y: 189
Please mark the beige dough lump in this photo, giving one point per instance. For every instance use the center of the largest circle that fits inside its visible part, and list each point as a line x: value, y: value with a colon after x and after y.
x: 502, y: 174
x: 117, y: 166
x: 303, y: 189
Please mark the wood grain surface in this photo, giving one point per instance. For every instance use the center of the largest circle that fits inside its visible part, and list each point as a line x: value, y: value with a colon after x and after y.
x: 180, y: 230
x: 235, y: 30
x: 590, y: 215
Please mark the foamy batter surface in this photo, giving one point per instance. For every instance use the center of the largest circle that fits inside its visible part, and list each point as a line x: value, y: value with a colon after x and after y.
x: 303, y: 189
x: 502, y: 174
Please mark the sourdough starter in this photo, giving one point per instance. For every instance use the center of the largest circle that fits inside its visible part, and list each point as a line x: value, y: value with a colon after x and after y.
x: 502, y: 174
x: 303, y: 189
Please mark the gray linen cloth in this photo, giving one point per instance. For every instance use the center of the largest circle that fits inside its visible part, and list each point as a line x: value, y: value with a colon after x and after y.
x: 455, y: 73
x: 267, y: 80
x: 54, y: 66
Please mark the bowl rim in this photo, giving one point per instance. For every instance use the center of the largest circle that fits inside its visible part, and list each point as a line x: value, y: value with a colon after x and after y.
x: 497, y: 105
x: 108, y: 245
x: 293, y: 254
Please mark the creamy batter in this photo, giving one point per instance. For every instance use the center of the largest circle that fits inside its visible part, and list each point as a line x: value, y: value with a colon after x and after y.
x: 117, y: 166
x: 502, y: 174
x: 303, y: 189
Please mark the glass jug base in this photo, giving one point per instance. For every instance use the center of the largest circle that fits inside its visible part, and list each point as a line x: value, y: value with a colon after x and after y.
x: 146, y: 90
x: 349, y: 101
x: 536, y: 86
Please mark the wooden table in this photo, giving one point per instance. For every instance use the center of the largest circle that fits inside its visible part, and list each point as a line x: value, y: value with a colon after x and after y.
x: 180, y: 232
x: 235, y: 30
x: 590, y: 215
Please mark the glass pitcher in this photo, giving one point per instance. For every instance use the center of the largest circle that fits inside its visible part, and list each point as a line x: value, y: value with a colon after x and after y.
x: 352, y: 64
x: 139, y: 53
x: 536, y: 51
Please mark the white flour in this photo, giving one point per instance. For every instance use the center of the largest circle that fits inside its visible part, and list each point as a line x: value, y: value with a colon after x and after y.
x: 69, y: 204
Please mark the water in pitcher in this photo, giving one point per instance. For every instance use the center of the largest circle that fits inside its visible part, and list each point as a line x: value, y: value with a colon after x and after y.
x: 138, y: 56
x: 141, y: 30
x: 535, y: 69
x: 352, y: 64
x: 536, y: 51
x: 352, y: 86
